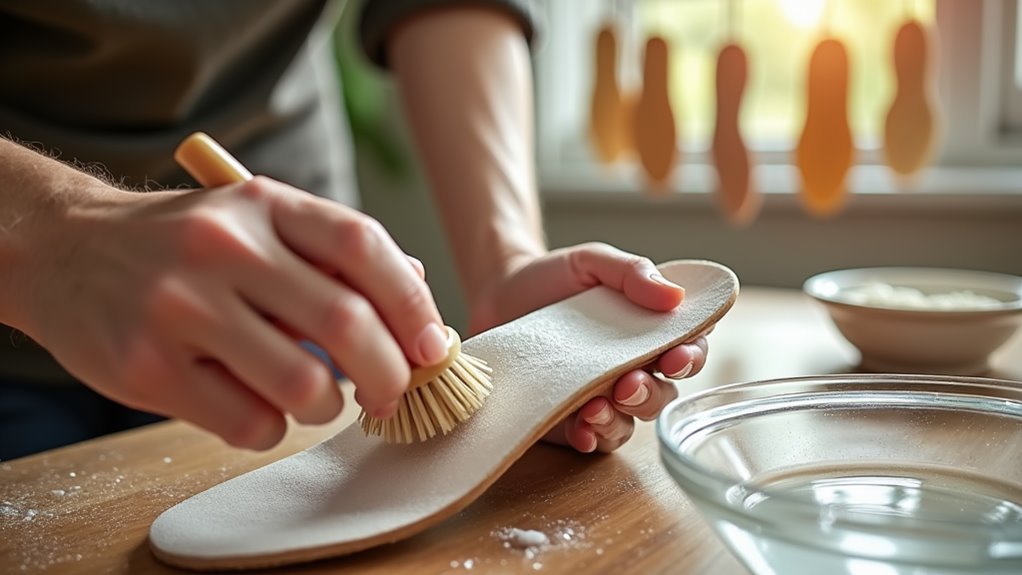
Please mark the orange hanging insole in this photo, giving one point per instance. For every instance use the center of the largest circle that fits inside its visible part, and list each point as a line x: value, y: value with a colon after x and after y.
x: 825, y: 152
x: 653, y: 121
x: 910, y: 126
x: 738, y: 199
x: 606, y: 112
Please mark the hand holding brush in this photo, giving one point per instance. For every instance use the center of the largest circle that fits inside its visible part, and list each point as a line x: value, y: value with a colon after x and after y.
x: 439, y: 394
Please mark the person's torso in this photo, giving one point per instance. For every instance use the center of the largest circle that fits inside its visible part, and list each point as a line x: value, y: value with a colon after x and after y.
x: 119, y: 83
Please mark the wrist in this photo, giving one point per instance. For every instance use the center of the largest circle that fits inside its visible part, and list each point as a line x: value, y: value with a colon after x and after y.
x: 38, y: 229
x: 483, y: 300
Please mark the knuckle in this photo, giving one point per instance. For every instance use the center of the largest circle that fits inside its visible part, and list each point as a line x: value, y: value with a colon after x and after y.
x: 258, y: 188
x: 170, y: 301
x: 303, y: 384
x: 260, y: 429
x: 599, y: 247
x: 417, y: 297
x: 639, y: 264
x: 211, y: 236
x: 207, y: 236
x: 143, y: 374
x: 344, y: 319
x: 361, y: 238
x: 599, y: 250
x: 385, y: 386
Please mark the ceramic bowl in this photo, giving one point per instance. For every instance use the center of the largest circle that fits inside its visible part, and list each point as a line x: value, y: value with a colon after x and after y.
x: 856, y: 474
x: 921, y: 320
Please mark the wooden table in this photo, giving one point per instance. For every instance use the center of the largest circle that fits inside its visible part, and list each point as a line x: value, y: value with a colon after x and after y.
x: 87, y: 508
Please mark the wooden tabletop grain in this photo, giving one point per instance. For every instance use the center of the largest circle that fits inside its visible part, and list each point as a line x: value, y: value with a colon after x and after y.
x: 87, y: 508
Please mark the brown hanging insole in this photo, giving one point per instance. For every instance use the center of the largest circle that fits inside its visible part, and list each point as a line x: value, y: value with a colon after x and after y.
x: 825, y: 150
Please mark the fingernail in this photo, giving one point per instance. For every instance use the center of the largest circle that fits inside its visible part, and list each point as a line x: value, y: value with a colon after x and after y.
x: 433, y: 344
x: 656, y: 277
x: 681, y: 373
x: 641, y: 395
x: 592, y: 445
x: 602, y: 417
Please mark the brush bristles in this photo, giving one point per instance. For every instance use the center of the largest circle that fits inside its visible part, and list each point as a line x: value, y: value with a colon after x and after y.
x: 437, y: 406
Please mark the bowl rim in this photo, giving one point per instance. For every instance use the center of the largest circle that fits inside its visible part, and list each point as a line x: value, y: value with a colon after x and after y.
x: 720, y: 483
x: 1007, y: 282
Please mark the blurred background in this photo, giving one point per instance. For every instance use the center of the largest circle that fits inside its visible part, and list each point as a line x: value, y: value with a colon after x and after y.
x: 962, y: 209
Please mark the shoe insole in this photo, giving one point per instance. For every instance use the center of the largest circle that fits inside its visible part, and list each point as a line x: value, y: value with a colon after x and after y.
x: 352, y: 492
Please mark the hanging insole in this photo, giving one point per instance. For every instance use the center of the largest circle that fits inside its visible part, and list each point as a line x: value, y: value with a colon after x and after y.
x: 607, y: 126
x: 910, y: 126
x: 738, y: 198
x: 653, y: 121
x: 825, y: 150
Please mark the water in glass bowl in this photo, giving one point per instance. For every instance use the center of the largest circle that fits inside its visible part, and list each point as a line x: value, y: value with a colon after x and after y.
x: 902, y: 521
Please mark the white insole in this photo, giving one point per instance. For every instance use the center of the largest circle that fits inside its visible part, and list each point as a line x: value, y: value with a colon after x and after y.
x: 352, y: 492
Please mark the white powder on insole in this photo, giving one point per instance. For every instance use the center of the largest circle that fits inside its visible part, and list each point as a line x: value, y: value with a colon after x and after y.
x: 351, y: 488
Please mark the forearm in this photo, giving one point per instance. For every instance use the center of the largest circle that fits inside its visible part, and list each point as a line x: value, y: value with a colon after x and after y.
x: 36, y: 194
x: 466, y: 84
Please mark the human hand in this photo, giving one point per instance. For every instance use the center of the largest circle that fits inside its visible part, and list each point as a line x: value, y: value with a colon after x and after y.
x: 190, y: 304
x: 603, y: 423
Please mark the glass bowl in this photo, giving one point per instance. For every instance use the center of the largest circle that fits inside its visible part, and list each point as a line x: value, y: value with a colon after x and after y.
x: 858, y: 474
x: 921, y: 320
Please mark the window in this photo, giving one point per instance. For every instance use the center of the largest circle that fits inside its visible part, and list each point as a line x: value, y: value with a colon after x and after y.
x: 980, y: 92
x: 1012, y: 70
x: 778, y: 36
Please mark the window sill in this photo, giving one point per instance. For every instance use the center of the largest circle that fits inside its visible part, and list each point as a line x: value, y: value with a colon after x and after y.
x: 871, y: 187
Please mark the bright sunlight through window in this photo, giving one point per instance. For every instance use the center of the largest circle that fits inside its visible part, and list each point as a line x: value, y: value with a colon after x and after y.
x: 778, y: 36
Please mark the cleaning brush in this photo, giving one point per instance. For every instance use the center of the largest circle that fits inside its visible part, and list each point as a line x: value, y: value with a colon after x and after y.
x: 438, y: 397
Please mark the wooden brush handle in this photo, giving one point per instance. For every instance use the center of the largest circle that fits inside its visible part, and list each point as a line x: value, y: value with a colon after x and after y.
x: 212, y: 166
x: 208, y: 162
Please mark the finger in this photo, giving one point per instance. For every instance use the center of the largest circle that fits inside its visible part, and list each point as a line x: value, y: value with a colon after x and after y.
x: 639, y: 394
x: 632, y: 275
x: 684, y: 360
x: 420, y: 270
x: 612, y: 427
x: 207, y: 395
x: 273, y: 365
x: 579, y: 434
x: 340, y: 321
x: 369, y: 260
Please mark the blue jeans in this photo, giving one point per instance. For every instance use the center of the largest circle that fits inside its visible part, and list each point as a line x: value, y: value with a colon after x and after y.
x: 35, y: 417
x: 38, y: 417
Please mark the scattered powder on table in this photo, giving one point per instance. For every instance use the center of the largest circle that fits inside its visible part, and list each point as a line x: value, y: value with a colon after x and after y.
x: 468, y: 564
x: 523, y: 538
x: 559, y: 535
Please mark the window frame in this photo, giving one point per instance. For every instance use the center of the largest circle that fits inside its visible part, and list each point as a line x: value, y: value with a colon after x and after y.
x: 981, y: 149
x: 1011, y: 95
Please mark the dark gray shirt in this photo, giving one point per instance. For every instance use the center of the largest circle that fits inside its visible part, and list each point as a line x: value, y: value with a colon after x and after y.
x: 119, y: 83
